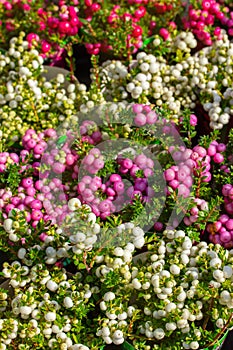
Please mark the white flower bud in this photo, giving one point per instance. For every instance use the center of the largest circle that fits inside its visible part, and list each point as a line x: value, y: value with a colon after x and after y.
x: 171, y: 326
x: 227, y: 271
x: 220, y: 323
x: 21, y: 253
x: 118, y: 251
x: 216, y: 262
x: 50, y: 252
x: 159, y: 333
x: 117, y: 334
x: 105, y: 331
x: 194, y: 345
x: 136, y: 284
x: 68, y: 302
x: 74, y: 203
x: 109, y: 296
x: 7, y: 225
x: 181, y: 296
x: 51, y: 285
x: 13, y: 237
x: 25, y: 310
x: 174, y: 269
x: 50, y: 316
x: 170, y: 307
x: 103, y: 306
x: 139, y: 242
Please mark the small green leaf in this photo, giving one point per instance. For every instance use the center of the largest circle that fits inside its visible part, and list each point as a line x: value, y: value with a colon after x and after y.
x: 61, y: 140
x: 127, y: 346
x: 147, y: 41
x: 81, y: 266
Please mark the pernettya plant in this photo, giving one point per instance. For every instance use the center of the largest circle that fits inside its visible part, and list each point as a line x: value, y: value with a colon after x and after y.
x: 178, y: 295
x: 176, y: 79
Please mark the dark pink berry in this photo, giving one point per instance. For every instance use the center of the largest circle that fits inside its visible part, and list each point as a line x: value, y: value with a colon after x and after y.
x: 218, y: 158
x: 26, y: 182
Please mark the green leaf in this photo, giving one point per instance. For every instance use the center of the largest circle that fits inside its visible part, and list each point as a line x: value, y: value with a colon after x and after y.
x: 147, y: 41
x: 127, y: 346
x: 61, y: 140
x: 81, y: 266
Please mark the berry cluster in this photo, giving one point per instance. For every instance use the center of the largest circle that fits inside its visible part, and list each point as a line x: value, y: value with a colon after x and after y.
x: 140, y: 169
x: 201, y: 205
x: 199, y: 21
x: 180, y: 176
x: 144, y: 114
x: 113, y: 190
x: 193, y: 80
x: 35, y: 143
x: 227, y: 192
x: 89, y: 189
x: 93, y: 162
x: 90, y: 132
x: 190, y: 163
x: 221, y: 231
x: 7, y: 158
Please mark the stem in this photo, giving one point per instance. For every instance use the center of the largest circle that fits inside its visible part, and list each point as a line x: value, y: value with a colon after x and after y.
x: 71, y: 62
x: 88, y: 268
x: 176, y: 199
x: 128, y: 49
x: 96, y: 70
x: 208, y: 316
x: 93, y: 33
x: 198, y: 185
x: 35, y: 111
x: 207, y: 218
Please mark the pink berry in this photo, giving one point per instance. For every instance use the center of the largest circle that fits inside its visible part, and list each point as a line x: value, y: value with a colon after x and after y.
x: 26, y: 182
x: 137, y: 31
x: 169, y: 175
x: 188, y: 181
x: 127, y: 163
x: 151, y: 118
x: 104, y: 206
x: 218, y: 158
x: 31, y: 191
x: 137, y: 108
x: 225, y: 237
x: 164, y: 33
x: 174, y: 184
x: 221, y: 147
x: 118, y: 187
x: 38, y: 149
x: 229, y: 224
x: 183, y: 191
x: 200, y: 150
x: 225, y: 189
x: 31, y: 144
x: 35, y: 204
x: 36, y: 215
x: 58, y: 168
x: 115, y: 177
x: 158, y: 226
x: 140, y: 119
x: 64, y: 27
x: 193, y: 120
x: 223, y: 218
x: 45, y: 46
